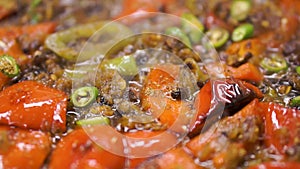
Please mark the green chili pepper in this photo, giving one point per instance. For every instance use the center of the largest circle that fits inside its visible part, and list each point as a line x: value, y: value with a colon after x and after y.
x: 125, y: 65
x: 240, y: 9
x: 9, y: 66
x: 274, y: 64
x: 194, y: 33
x: 61, y: 42
x: 298, y: 70
x: 101, y: 120
x: 242, y: 32
x: 295, y: 101
x: 58, y: 42
x: 175, y: 31
x: 84, y: 96
x: 218, y: 36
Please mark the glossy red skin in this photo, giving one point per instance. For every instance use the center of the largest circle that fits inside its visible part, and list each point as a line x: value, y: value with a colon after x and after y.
x: 76, y: 150
x: 32, y: 105
x: 204, y: 99
x: 23, y: 148
x: 277, y: 165
x: 278, y: 117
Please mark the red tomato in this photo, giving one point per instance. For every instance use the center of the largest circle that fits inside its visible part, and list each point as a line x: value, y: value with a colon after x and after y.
x: 205, y: 99
x: 76, y: 150
x: 246, y: 71
x: 32, y: 105
x: 135, y: 6
x: 22, y: 148
x: 281, y: 127
x: 277, y: 165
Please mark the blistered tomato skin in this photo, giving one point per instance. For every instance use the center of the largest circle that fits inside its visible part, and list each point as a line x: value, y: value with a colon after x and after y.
x: 23, y: 148
x: 32, y: 105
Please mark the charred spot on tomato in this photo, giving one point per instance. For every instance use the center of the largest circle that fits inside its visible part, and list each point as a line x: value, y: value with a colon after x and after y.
x: 176, y: 94
x: 234, y: 94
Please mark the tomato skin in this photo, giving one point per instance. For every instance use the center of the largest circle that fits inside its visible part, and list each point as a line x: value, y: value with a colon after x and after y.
x: 23, y: 148
x: 246, y: 71
x: 277, y: 165
x: 281, y: 127
x: 76, y: 150
x: 156, y: 94
x: 42, y: 29
x: 160, y: 80
x: 205, y: 100
x: 29, y: 104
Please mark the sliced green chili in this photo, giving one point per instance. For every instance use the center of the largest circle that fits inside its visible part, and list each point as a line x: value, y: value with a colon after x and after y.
x: 194, y: 33
x: 242, y: 32
x: 240, y: 9
x: 94, y: 121
x: 125, y: 65
x: 193, y: 19
x: 274, y: 64
x: 298, y: 70
x: 218, y: 36
x: 84, y: 96
x: 9, y: 66
x: 58, y: 42
x: 175, y: 31
x: 68, y: 43
x: 295, y: 101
